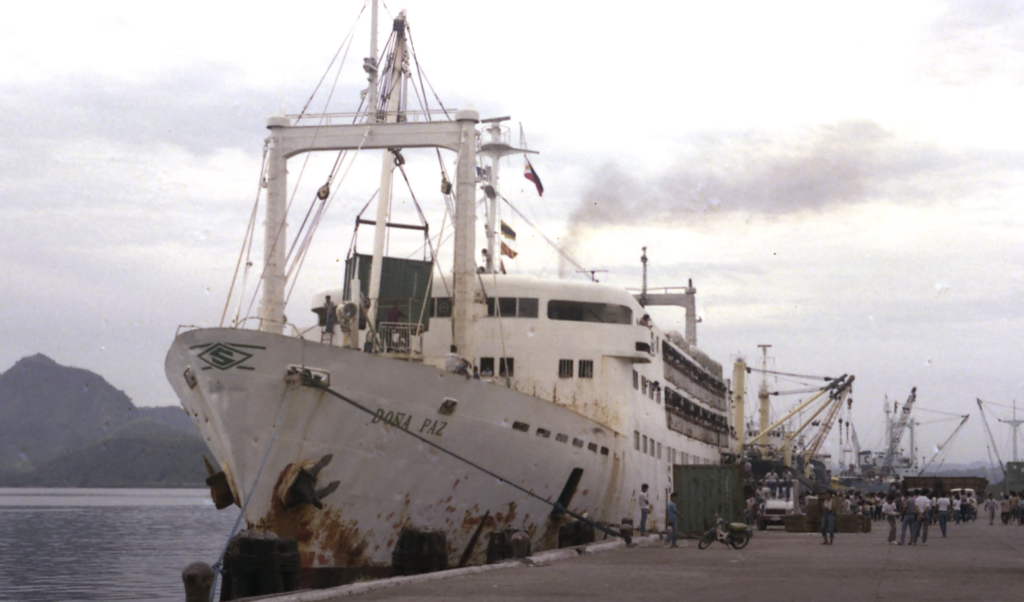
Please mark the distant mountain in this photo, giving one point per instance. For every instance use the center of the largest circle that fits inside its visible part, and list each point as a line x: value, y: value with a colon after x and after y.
x: 143, y: 453
x: 68, y: 426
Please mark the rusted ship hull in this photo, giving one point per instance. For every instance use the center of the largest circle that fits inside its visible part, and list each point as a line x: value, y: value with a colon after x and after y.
x: 234, y: 385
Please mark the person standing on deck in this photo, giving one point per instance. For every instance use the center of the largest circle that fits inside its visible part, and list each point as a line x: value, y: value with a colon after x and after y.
x: 673, y: 521
x: 329, y: 315
x: 942, y: 505
x: 1004, y: 509
x: 889, y: 511
x: 645, y: 508
x: 828, y: 519
x: 957, y: 503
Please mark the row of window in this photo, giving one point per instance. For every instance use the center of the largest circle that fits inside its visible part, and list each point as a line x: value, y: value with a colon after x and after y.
x: 507, y: 367
x: 652, y: 448
x: 692, y: 371
x: 586, y: 369
x: 528, y: 307
x: 560, y: 437
x: 696, y: 414
x: 650, y: 388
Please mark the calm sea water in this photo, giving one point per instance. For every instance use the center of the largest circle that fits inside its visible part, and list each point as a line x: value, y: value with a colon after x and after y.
x: 105, y: 544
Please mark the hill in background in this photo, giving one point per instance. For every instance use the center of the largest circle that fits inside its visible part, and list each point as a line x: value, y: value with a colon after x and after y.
x: 69, y: 427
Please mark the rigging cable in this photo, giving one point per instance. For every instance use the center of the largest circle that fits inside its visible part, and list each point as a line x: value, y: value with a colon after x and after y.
x: 305, y: 162
x: 246, y: 239
x: 329, y: 65
x: 422, y: 74
x: 751, y: 369
x: 560, y: 250
x: 310, y: 382
x: 301, y: 260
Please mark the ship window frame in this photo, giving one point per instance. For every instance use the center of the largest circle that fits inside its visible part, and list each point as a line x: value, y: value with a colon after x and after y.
x: 659, y: 451
x: 565, y: 310
x: 521, y: 426
x: 636, y: 440
x: 577, y: 442
x: 604, y: 451
x: 487, y: 366
x: 636, y: 379
x: 565, y: 368
x: 561, y: 437
x: 645, y: 444
x: 585, y: 369
x: 542, y: 432
x: 529, y: 307
x: 507, y: 366
x: 592, y: 447
x: 437, y: 305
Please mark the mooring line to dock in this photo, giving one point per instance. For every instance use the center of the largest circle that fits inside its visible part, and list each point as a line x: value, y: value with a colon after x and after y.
x: 309, y: 381
x: 248, y: 498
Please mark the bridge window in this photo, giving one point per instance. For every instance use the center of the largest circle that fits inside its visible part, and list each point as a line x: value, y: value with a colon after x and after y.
x: 580, y: 311
x: 586, y: 368
x: 528, y: 308
x: 565, y: 368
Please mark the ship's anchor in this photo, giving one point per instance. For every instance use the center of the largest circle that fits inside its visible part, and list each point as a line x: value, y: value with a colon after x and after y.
x: 304, y: 491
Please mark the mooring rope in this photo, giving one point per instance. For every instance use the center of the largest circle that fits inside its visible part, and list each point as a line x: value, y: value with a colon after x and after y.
x: 309, y: 381
x: 245, y: 503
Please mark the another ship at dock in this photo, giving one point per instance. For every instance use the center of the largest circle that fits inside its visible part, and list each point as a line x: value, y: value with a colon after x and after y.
x: 344, y: 429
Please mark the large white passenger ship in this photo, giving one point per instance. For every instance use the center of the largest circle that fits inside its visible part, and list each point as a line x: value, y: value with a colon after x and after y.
x: 341, y: 431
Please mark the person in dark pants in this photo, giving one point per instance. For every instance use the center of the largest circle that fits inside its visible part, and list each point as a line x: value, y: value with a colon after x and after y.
x: 942, y: 505
x: 828, y: 519
x: 673, y: 522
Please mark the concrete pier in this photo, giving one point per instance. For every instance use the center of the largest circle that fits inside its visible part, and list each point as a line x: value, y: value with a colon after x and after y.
x: 975, y: 561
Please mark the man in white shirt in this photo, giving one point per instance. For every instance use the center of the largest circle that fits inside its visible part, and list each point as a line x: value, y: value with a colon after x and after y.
x: 890, y: 513
x: 923, y: 504
x: 645, y: 508
x: 772, y: 480
x: 942, y: 505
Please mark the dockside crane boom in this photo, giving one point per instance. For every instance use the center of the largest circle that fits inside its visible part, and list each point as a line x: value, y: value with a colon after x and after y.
x: 835, y: 405
x: 995, y: 447
x: 942, y: 447
x: 897, y: 434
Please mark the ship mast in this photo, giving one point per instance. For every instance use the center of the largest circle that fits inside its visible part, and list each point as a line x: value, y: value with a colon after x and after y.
x: 762, y: 393
x: 391, y: 115
x: 288, y: 140
x: 495, y: 146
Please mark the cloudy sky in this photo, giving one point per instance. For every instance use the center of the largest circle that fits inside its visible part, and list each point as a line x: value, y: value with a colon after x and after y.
x: 840, y: 180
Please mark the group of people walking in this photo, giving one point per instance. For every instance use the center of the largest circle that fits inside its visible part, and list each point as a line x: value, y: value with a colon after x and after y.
x: 918, y: 509
x: 1009, y: 507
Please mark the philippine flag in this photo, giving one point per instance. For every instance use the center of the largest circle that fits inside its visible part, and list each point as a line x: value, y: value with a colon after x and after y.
x: 532, y: 176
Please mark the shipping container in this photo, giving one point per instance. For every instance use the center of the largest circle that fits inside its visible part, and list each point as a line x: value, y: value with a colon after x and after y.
x: 706, y: 490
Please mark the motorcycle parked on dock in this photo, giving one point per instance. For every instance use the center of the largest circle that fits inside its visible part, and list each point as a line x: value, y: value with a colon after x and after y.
x: 736, y: 535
